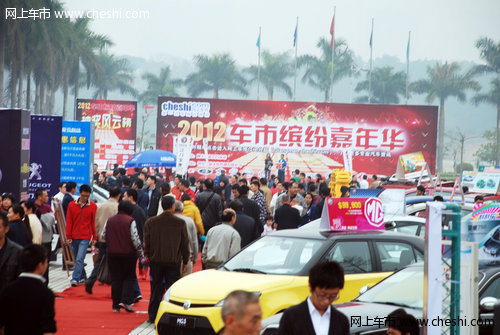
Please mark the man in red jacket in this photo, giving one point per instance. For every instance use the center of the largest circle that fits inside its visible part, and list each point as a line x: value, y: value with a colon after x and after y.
x: 80, y: 231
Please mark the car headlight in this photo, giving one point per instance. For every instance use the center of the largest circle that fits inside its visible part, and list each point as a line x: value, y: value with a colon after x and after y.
x: 166, y: 296
x: 220, y: 303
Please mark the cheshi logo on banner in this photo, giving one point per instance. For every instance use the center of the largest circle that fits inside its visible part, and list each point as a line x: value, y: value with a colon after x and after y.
x: 185, y: 109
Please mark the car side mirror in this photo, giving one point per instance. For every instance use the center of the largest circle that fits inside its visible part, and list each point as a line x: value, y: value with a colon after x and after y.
x: 364, y: 289
x: 487, y: 304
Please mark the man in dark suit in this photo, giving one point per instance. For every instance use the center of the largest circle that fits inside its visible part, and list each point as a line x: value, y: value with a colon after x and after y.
x: 316, y: 315
x: 154, y: 197
x: 27, y: 305
x: 250, y: 207
x: 9, y: 254
x: 244, y: 225
x: 286, y: 216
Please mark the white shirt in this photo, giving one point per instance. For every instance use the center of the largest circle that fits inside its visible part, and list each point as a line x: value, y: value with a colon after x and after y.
x: 363, y: 184
x: 32, y: 275
x: 321, y: 323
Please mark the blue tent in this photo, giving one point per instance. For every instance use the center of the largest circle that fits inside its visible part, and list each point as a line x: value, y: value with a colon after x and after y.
x: 152, y: 158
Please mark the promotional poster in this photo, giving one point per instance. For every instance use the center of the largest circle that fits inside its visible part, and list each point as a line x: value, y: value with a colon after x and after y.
x: 312, y: 136
x: 45, y: 154
x: 77, y: 152
x: 115, y: 129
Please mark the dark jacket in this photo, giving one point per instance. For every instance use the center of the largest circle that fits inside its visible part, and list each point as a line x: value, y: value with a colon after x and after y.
x: 27, y: 307
x: 166, y: 240
x: 210, y: 207
x: 287, y: 217
x: 67, y: 199
x: 142, y: 200
x: 154, y: 202
x: 118, y: 238
x: 251, y: 209
x: 140, y: 218
x: 246, y: 227
x: 18, y: 233
x: 297, y: 320
x: 9, y: 262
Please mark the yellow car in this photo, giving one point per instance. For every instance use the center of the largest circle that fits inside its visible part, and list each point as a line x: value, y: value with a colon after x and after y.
x: 277, y: 266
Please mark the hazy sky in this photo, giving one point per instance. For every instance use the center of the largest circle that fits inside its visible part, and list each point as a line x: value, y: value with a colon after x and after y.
x: 440, y: 29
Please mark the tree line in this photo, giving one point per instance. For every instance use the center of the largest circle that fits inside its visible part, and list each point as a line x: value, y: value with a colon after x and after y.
x: 42, y: 57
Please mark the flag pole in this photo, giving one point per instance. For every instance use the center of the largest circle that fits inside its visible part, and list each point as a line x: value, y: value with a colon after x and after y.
x: 332, y: 47
x: 295, y: 42
x: 371, y: 61
x: 258, y: 68
x: 407, y: 65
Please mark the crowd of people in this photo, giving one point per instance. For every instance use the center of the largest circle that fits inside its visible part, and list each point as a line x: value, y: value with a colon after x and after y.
x: 160, y: 224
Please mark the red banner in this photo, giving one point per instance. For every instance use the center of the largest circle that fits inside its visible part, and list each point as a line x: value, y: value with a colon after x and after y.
x: 352, y: 214
x: 115, y: 129
x: 239, y: 134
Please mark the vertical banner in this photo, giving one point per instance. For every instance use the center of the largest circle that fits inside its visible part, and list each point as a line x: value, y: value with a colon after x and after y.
x: 45, y: 154
x: 115, y: 129
x: 433, y: 269
x: 182, y: 150
x: 15, y: 153
x: 77, y: 152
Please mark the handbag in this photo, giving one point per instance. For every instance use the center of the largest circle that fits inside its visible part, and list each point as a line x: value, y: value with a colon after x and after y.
x: 103, y: 274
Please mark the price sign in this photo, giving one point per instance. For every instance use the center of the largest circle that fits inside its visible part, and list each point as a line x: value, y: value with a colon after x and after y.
x: 352, y: 214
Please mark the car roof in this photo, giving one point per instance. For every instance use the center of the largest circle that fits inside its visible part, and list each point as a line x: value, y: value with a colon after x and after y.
x: 344, y: 234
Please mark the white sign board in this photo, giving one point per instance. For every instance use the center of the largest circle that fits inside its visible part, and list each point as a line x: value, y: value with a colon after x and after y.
x: 183, y: 145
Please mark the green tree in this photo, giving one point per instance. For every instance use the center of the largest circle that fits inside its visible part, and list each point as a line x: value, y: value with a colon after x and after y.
x: 386, y: 86
x: 161, y: 85
x: 490, y: 53
x: 214, y: 74
x: 487, y: 151
x: 276, y: 68
x: 115, y: 74
x: 444, y: 81
x: 318, y: 69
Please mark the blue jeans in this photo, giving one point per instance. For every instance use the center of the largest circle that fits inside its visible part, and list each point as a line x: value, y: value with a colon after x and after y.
x: 79, y: 251
x: 281, y: 175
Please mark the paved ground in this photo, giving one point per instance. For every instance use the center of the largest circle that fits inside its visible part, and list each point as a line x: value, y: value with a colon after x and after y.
x: 59, y: 281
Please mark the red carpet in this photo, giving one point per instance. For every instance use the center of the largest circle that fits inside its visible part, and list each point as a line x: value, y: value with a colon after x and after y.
x: 78, y: 312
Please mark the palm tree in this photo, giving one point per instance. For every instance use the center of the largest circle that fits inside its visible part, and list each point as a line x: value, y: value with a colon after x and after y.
x: 318, y: 69
x: 490, y: 52
x: 444, y: 81
x: 85, y: 46
x: 493, y: 98
x: 214, y: 74
x: 386, y: 86
x: 276, y: 68
x: 115, y: 75
x: 161, y: 85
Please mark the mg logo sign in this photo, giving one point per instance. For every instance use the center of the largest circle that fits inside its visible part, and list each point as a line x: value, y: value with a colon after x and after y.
x: 373, y: 212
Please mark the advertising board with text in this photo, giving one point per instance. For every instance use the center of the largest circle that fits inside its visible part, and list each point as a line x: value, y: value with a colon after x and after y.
x: 77, y: 152
x: 115, y: 129
x: 352, y: 214
x: 313, y: 136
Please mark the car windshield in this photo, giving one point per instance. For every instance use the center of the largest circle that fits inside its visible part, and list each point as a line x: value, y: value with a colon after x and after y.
x: 275, y: 255
x: 405, y: 288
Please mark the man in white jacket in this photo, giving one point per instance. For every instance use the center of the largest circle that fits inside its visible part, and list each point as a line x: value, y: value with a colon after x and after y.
x: 223, y: 241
